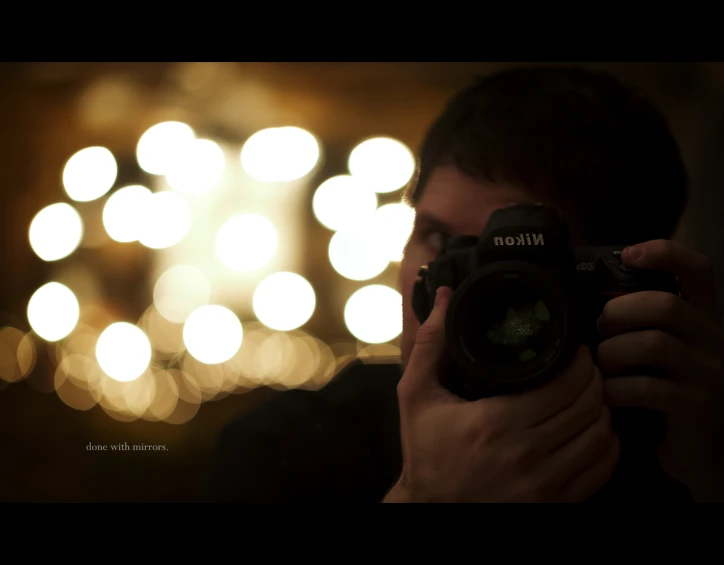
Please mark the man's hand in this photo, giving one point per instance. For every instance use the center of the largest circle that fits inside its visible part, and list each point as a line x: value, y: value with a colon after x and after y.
x: 683, y: 337
x: 552, y: 444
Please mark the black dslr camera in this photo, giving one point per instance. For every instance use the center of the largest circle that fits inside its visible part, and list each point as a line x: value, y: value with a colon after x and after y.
x: 524, y: 301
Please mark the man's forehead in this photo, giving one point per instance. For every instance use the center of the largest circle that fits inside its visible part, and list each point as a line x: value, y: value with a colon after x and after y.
x: 464, y: 203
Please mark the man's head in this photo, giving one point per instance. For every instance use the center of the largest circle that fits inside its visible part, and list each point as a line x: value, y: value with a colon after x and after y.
x: 573, y: 139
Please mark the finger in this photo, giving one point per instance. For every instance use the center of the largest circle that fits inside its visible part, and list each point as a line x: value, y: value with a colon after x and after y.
x: 578, y: 454
x: 694, y: 270
x: 535, y: 406
x: 566, y: 425
x: 593, y: 478
x: 423, y: 369
x: 658, y: 310
x: 651, y: 348
x: 644, y: 392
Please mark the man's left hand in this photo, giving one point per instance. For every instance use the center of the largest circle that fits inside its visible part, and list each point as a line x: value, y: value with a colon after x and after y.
x: 683, y: 337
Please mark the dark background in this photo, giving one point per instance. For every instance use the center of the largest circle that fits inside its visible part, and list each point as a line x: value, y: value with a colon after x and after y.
x: 47, y: 113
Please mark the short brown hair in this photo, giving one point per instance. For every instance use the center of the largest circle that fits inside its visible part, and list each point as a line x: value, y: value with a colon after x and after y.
x: 583, y: 139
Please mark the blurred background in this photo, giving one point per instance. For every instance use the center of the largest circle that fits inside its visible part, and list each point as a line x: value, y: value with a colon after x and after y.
x: 182, y: 240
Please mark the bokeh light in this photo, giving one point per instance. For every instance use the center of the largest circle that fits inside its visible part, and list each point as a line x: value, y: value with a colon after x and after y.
x: 377, y: 350
x: 280, y: 154
x: 179, y: 291
x: 166, y: 337
x: 89, y: 174
x: 373, y: 314
x: 199, y: 168
x: 208, y: 376
x: 246, y: 242
x: 358, y: 254
x: 284, y: 301
x: 56, y: 231
x: 382, y: 163
x: 393, y: 223
x: 189, y: 398
x: 212, y: 334
x: 163, y: 146
x: 76, y: 380
x: 122, y: 211
x: 123, y: 351
x: 165, y: 399
x: 17, y: 354
x: 343, y: 201
x: 165, y: 221
x: 186, y: 348
x: 53, y: 311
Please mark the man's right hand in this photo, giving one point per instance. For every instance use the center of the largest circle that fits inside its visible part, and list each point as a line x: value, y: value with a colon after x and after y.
x: 551, y: 444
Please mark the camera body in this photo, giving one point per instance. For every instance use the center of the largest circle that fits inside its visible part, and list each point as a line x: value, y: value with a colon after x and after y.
x: 524, y: 301
x: 524, y: 258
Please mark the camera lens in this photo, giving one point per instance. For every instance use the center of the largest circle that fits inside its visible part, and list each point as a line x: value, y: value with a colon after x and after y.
x: 509, y: 325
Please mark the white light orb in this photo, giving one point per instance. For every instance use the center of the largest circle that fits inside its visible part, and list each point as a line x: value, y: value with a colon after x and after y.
x: 53, y: 311
x: 343, y: 201
x: 164, y: 145
x: 89, y: 174
x: 199, y: 169
x: 212, y: 334
x: 56, y: 231
x: 358, y: 254
x: 122, y: 212
x: 179, y: 291
x: 383, y: 163
x: 123, y: 351
x: 246, y: 242
x: 393, y: 223
x: 280, y: 154
x: 165, y: 221
x: 284, y: 301
x: 373, y: 314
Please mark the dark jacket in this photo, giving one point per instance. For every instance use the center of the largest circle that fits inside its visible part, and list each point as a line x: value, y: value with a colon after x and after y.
x: 342, y: 444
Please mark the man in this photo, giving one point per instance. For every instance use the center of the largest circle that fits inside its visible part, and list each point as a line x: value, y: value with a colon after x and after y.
x: 582, y: 143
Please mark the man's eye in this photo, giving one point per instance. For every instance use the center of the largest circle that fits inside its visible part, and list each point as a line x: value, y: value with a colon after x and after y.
x: 435, y: 240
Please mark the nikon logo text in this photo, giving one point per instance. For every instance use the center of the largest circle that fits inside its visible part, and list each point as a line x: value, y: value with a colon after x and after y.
x: 520, y: 239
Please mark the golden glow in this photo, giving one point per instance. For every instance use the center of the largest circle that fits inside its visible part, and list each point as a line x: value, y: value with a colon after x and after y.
x: 343, y: 201
x: 179, y: 291
x: 393, y: 223
x: 56, y: 231
x: 280, y: 154
x: 89, y: 174
x: 166, y: 398
x: 382, y: 163
x: 246, y: 242
x: 165, y: 221
x: 123, y: 351
x: 189, y: 398
x: 212, y: 334
x: 162, y: 146
x: 284, y: 301
x: 53, y: 311
x: 358, y: 254
x: 122, y: 212
x: 209, y: 377
x: 74, y: 379
x: 199, y: 169
x: 384, y: 350
x: 166, y: 337
x: 17, y: 354
x: 373, y: 314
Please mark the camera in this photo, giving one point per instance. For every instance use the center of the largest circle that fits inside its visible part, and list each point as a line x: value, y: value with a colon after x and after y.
x: 524, y: 301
